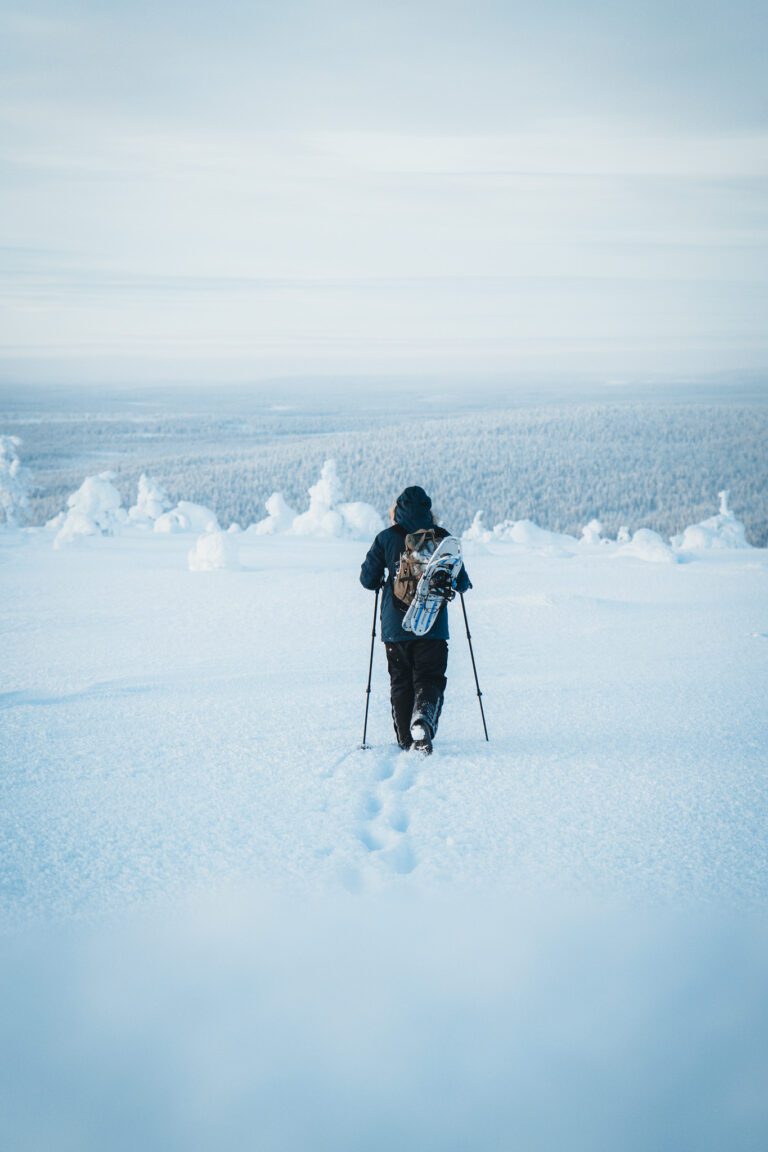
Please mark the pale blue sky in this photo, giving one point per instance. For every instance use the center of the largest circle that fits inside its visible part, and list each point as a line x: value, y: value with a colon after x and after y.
x: 223, y: 192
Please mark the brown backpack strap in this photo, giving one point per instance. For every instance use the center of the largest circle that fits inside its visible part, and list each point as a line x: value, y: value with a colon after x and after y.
x: 415, y: 541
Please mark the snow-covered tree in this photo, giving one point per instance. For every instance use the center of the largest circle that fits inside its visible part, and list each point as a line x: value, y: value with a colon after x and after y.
x: 330, y: 515
x: 721, y: 531
x: 94, y: 510
x: 14, y: 483
x: 322, y: 517
x: 281, y: 516
x: 151, y: 501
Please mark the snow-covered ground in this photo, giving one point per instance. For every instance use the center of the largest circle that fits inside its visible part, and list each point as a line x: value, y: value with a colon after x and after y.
x: 229, y: 927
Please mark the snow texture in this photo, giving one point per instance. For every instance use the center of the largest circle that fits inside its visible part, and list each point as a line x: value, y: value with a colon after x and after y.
x: 228, y: 927
x: 619, y: 697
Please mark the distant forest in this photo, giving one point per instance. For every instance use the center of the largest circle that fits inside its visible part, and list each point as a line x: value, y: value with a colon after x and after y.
x: 641, y: 465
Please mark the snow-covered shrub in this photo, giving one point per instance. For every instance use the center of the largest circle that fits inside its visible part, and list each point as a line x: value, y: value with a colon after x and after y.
x: 361, y: 521
x: 151, y: 501
x: 187, y: 517
x: 322, y: 518
x: 280, y: 517
x: 531, y: 535
x: 213, y: 550
x: 477, y: 530
x: 648, y: 545
x: 592, y: 533
x: 14, y: 483
x: 721, y: 531
x: 328, y: 515
x: 94, y: 510
x: 523, y: 532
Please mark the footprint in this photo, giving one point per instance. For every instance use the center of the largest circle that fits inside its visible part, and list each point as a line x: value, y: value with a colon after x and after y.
x: 372, y: 806
x: 369, y: 840
x: 399, y: 821
x: 401, y: 858
x: 405, y: 778
x: 383, y: 831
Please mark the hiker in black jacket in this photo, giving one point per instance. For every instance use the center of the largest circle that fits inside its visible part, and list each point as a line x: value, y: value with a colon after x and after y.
x: 416, y: 664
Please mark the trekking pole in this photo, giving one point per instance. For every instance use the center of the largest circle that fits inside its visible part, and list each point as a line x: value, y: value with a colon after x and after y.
x: 474, y: 667
x: 370, y: 671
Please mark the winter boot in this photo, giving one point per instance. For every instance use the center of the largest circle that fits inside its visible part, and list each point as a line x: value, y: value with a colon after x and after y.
x: 422, y: 737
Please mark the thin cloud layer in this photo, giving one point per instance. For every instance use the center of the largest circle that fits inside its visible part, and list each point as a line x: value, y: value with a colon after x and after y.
x: 343, y: 187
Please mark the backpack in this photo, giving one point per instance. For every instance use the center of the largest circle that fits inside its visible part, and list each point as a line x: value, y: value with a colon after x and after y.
x: 419, y: 547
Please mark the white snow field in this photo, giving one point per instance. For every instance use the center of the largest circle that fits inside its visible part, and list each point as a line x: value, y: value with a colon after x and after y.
x: 227, y: 927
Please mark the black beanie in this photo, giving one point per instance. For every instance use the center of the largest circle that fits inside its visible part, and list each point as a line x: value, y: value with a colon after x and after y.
x: 413, y: 509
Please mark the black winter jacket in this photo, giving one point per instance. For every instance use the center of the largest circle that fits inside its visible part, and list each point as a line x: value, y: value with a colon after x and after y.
x: 384, y: 555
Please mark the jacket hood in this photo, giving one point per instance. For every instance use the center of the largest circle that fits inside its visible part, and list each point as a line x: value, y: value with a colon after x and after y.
x: 413, y: 510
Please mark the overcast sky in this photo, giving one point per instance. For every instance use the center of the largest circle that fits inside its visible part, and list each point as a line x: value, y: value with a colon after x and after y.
x: 220, y: 192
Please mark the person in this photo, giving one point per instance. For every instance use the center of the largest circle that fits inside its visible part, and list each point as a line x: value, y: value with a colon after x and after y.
x: 416, y: 665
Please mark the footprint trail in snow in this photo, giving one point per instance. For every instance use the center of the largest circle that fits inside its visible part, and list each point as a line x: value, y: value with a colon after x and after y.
x: 383, y: 829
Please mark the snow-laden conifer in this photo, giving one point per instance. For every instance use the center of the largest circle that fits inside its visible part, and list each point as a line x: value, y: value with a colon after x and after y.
x: 14, y: 483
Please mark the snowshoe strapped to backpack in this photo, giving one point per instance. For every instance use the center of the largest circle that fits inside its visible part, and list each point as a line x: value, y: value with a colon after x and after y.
x: 419, y: 547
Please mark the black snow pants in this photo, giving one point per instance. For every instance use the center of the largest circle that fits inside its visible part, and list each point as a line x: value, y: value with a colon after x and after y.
x: 417, y: 684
